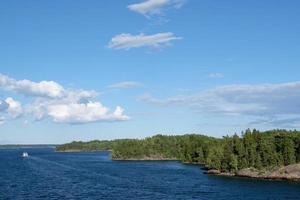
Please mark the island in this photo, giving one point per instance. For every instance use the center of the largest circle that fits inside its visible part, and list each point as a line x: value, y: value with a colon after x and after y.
x: 79, y: 146
x: 273, y: 154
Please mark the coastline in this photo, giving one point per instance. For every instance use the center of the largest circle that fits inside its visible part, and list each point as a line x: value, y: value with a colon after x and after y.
x: 290, y: 173
x: 144, y: 159
x: 147, y: 158
x: 78, y: 150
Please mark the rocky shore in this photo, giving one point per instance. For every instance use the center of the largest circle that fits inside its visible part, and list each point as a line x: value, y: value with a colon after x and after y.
x: 290, y: 172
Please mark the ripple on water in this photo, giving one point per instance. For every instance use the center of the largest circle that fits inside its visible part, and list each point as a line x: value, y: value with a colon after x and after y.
x: 50, y: 175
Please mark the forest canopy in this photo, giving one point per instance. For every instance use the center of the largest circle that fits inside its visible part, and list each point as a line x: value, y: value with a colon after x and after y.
x: 252, y: 149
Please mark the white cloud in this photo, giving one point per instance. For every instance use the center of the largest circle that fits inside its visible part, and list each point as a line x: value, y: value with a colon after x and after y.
x: 264, y: 100
x: 44, y: 88
x: 127, y: 41
x: 14, y: 109
x: 79, y: 95
x: 10, y: 108
x: 155, y: 7
x: 215, y: 75
x: 125, y: 85
x: 51, y: 100
x: 84, y: 113
x: 73, y: 110
x: 119, y: 113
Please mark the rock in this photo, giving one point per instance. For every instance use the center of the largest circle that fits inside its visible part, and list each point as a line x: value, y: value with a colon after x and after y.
x: 248, y: 172
x: 213, y: 171
x: 290, y: 172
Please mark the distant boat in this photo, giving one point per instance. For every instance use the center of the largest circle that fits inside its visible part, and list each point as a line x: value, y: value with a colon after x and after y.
x: 25, y: 155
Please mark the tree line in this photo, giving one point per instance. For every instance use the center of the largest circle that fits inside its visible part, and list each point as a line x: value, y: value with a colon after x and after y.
x: 95, y: 145
x: 252, y: 149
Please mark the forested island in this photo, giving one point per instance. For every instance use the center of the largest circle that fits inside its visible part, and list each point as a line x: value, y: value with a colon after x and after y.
x: 270, y: 154
x: 95, y: 145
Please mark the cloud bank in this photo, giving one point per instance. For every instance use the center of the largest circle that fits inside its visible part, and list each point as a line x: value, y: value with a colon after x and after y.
x: 51, y: 100
x: 264, y: 100
x: 127, y: 41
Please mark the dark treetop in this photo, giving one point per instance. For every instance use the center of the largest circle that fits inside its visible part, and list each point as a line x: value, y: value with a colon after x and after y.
x: 253, y: 149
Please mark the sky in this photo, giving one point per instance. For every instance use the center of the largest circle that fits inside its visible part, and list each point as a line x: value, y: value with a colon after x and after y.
x: 84, y: 70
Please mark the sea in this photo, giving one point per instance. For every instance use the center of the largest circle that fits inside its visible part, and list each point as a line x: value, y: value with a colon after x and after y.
x: 47, y: 174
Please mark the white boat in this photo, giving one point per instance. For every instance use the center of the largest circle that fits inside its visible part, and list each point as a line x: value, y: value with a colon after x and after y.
x: 25, y: 155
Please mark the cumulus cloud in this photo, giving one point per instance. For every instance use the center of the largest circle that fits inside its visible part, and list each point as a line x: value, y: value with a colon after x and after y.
x: 264, y: 100
x: 27, y: 87
x: 125, y: 85
x: 79, y: 95
x: 74, y: 111
x: 127, y: 41
x: 10, y: 108
x: 84, y: 113
x: 14, y: 107
x: 155, y: 7
x: 51, y: 100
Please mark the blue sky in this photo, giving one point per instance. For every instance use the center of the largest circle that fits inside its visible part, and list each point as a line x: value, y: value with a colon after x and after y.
x: 159, y: 66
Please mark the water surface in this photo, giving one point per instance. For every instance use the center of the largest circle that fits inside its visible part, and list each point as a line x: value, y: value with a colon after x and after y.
x: 50, y: 175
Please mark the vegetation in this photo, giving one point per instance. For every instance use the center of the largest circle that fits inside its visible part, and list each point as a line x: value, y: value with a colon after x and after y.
x: 253, y: 149
x: 187, y: 148
x: 94, y: 145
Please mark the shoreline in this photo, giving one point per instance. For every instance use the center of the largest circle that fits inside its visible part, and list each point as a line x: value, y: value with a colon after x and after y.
x: 154, y: 158
x: 284, y: 173
x: 77, y: 151
x: 231, y: 175
x: 288, y: 173
x: 142, y: 159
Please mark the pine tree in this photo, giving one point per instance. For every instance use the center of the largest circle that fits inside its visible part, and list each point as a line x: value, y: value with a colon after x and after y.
x: 288, y: 151
x: 233, y: 164
x: 250, y: 148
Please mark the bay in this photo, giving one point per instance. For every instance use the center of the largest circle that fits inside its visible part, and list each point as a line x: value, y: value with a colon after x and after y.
x: 47, y: 174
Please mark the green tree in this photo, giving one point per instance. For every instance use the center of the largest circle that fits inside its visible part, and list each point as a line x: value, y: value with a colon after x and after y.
x: 288, y: 151
x: 233, y: 164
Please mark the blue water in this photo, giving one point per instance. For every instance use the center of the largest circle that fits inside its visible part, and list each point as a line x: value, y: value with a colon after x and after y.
x: 50, y: 175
